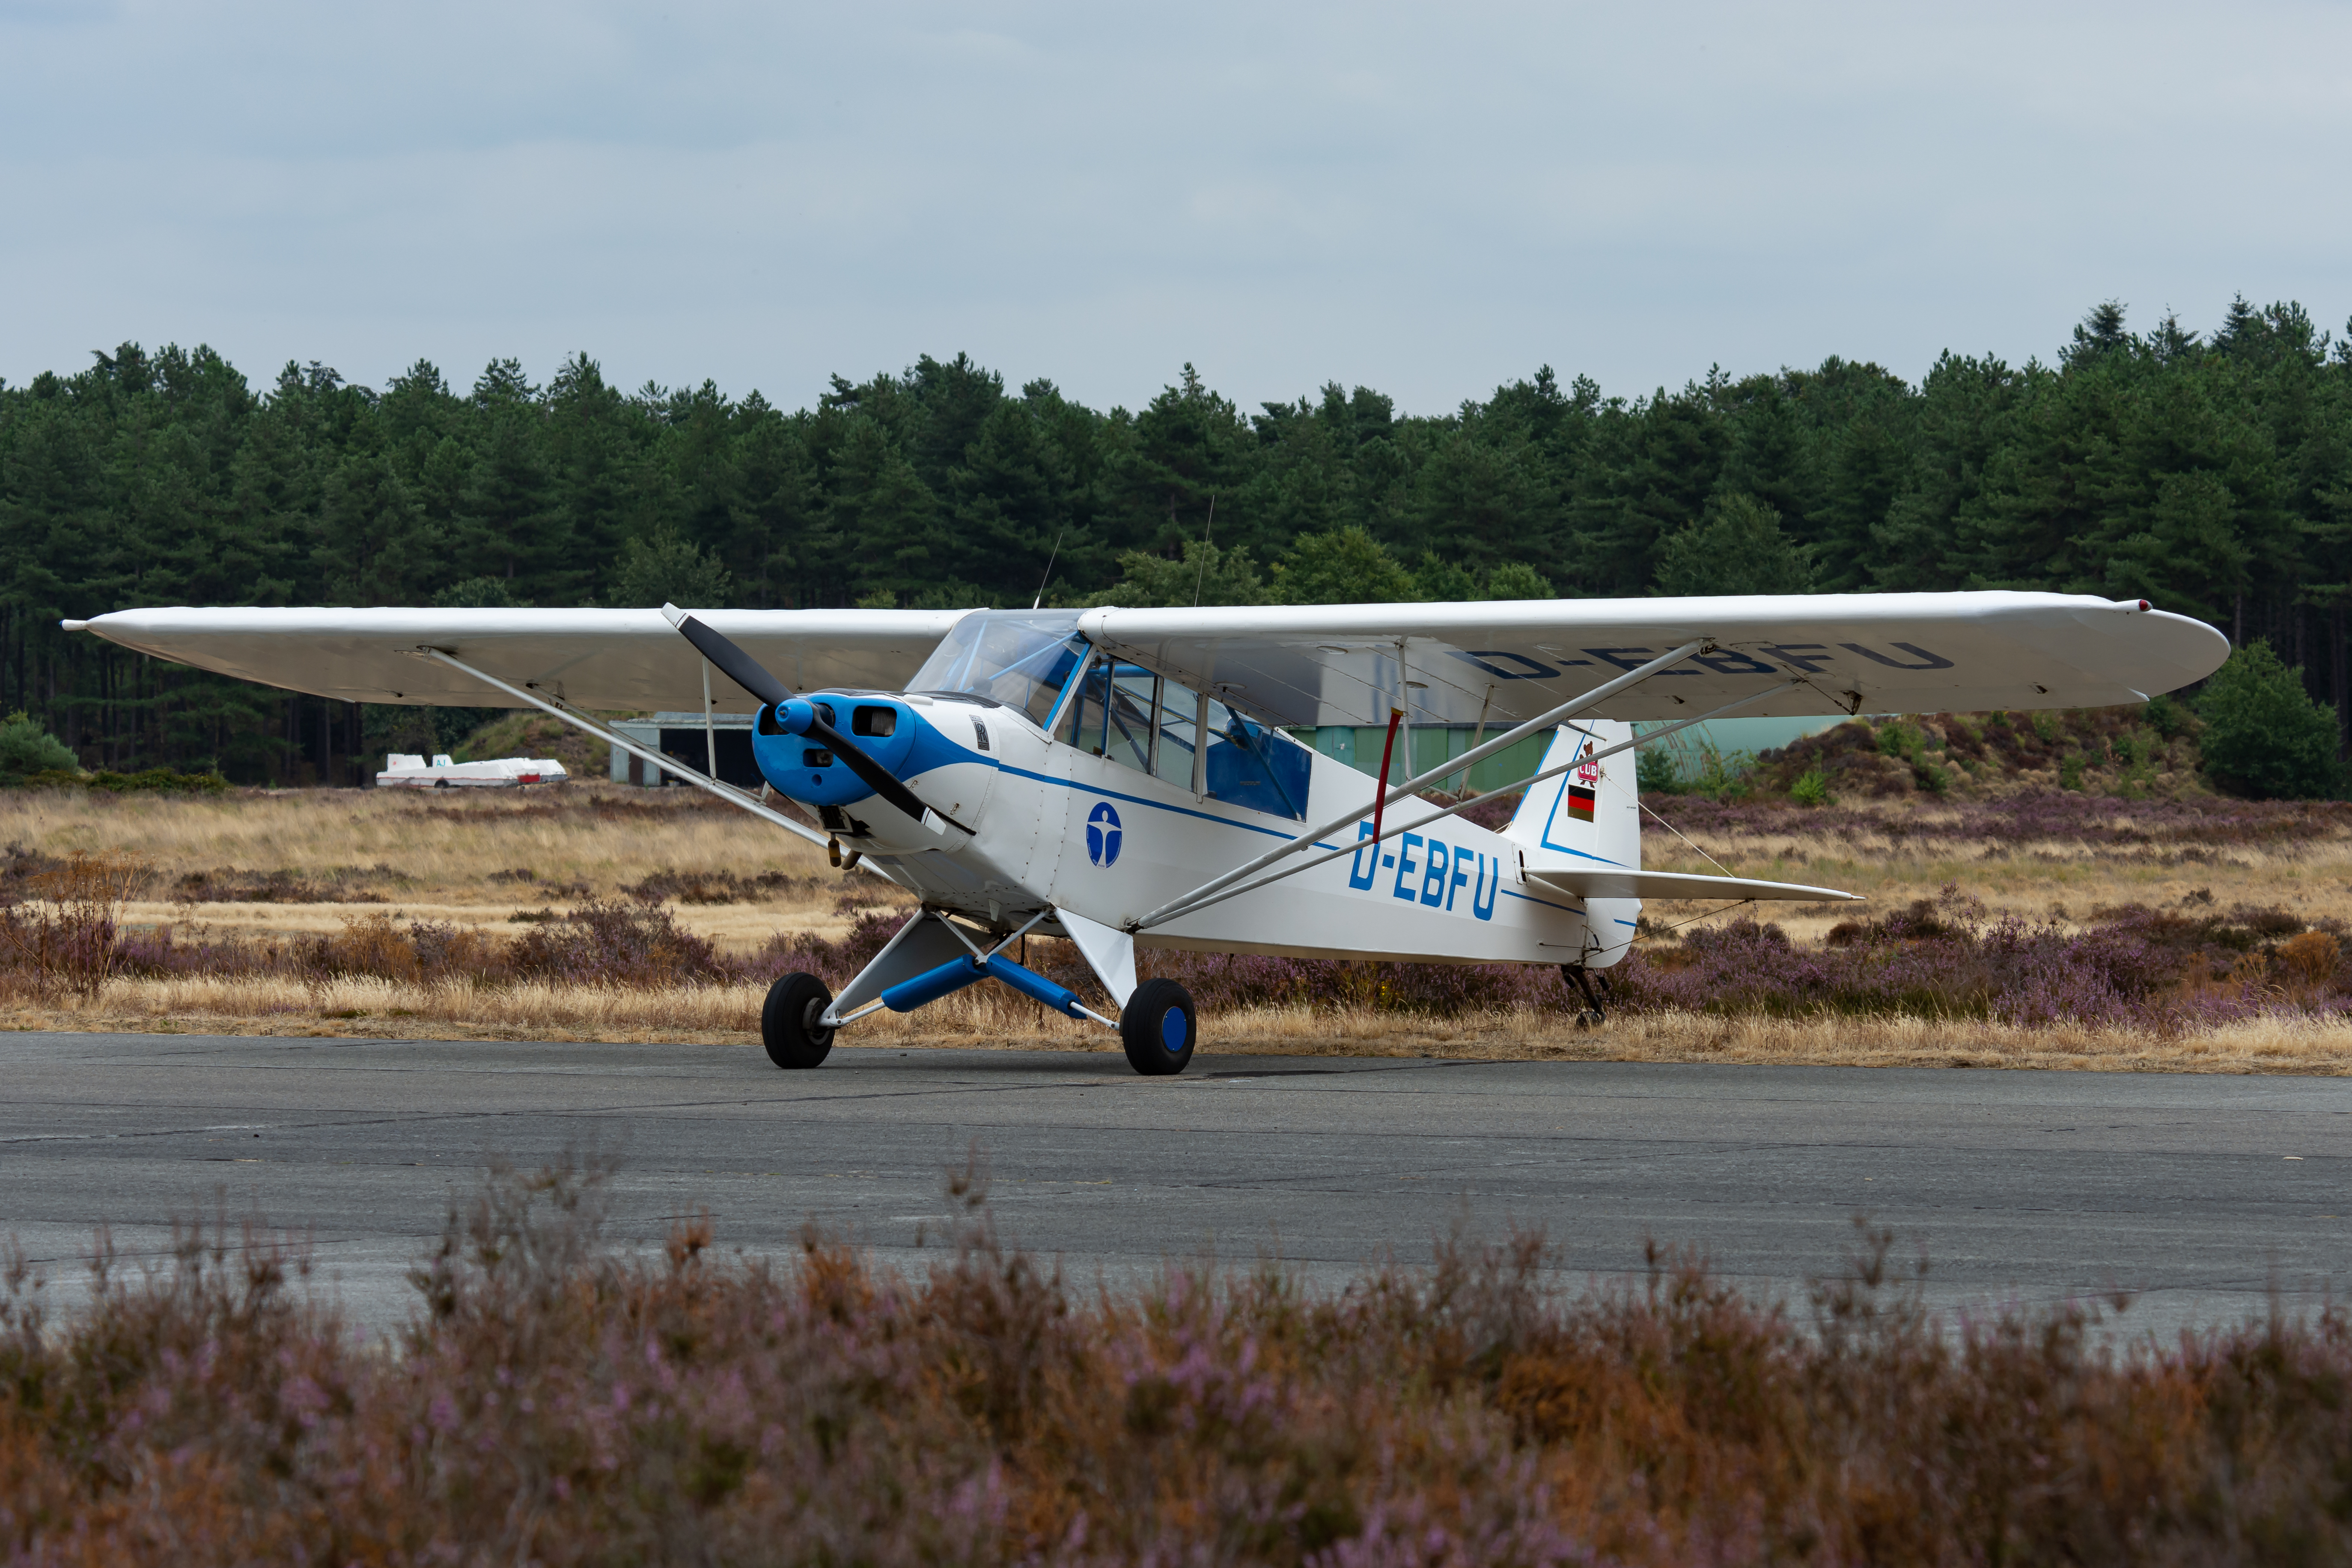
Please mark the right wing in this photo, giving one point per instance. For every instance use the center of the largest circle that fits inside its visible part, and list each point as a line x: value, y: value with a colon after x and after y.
x: 613, y: 659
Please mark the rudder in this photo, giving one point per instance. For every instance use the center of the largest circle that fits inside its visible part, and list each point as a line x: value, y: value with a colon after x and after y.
x: 1589, y: 812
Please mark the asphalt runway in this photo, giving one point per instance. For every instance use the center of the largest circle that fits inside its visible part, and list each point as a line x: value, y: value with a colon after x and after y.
x: 2208, y: 1195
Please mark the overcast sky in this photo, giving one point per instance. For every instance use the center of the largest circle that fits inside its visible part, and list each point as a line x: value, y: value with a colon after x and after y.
x: 1427, y: 199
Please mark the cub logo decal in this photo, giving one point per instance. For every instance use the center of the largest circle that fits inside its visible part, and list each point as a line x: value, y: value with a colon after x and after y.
x: 1103, y: 834
x: 1581, y: 787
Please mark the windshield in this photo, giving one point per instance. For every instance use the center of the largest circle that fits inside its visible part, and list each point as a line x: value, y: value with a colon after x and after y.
x: 1018, y: 658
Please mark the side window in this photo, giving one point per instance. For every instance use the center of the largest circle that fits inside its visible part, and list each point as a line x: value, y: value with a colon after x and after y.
x: 1110, y: 713
x: 1252, y: 765
x: 1180, y: 717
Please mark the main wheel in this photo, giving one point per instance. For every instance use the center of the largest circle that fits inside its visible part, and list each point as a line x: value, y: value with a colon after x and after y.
x: 1158, y: 1028
x: 788, y: 1024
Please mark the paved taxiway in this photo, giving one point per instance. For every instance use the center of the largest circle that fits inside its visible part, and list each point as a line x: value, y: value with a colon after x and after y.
x: 2203, y: 1193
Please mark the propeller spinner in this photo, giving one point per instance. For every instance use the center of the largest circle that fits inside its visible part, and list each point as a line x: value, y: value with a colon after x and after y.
x: 799, y: 718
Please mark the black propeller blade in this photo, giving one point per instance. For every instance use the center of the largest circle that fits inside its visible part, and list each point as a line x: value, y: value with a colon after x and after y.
x: 747, y: 672
x: 730, y: 660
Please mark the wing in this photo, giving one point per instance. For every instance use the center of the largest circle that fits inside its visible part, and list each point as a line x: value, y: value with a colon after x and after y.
x: 630, y: 659
x: 1858, y: 653
x: 1618, y: 882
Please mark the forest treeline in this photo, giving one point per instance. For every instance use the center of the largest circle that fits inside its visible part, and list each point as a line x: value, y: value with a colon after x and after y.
x: 2210, y: 474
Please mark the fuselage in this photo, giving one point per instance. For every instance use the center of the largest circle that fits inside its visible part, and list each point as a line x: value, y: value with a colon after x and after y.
x: 1053, y: 824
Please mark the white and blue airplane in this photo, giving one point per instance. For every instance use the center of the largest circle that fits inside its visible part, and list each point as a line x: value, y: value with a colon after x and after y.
x: 1122, y: 778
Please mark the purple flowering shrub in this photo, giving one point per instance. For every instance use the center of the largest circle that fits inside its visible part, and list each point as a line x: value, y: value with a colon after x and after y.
x: 555, y: 1400
x: 1941, y: 959
x: 597, y: 944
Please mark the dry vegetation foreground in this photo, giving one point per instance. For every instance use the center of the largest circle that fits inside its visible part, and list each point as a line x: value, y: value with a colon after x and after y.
x: 554, y: 1401
x: 2047, y: 929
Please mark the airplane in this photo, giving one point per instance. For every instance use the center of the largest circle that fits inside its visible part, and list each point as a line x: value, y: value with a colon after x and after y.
x: 1124, y: 778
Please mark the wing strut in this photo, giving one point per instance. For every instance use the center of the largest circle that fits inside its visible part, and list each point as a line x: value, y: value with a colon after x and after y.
x: 724, y: 791
x: 1460, y: 764
x: 1203, y: 898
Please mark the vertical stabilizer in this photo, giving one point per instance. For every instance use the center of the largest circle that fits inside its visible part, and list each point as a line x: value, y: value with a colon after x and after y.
x: 1590, y: 815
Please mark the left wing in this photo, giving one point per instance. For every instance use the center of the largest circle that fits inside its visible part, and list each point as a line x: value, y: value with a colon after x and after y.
x: 613, y: 659
x: 1507, y: 662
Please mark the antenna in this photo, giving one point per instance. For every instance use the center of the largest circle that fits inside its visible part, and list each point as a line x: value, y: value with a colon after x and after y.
x: 1048, y: 577
x: 1207, y: 533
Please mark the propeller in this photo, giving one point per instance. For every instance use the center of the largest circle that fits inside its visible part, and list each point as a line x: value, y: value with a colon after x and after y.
x: 798, y: 717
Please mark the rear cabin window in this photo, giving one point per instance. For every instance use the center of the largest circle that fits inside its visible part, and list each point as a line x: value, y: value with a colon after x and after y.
x: 1251, y: 765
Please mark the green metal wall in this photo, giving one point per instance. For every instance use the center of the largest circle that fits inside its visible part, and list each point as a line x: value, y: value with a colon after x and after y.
x: 1358, y: 746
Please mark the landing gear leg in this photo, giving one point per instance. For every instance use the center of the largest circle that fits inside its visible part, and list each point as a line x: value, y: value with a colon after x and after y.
x: 1576, y: 974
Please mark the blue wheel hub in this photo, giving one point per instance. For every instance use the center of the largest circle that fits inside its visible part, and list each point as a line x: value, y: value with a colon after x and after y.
x: 1172, y: 1030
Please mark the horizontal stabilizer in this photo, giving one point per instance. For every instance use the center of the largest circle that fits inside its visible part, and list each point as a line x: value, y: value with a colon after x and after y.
x: 1620, y: 882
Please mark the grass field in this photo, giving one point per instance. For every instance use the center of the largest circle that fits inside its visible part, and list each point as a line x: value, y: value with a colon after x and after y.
x: 310, y: 864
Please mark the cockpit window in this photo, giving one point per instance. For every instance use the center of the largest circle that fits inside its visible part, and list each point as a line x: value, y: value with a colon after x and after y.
x: 1020, y: 658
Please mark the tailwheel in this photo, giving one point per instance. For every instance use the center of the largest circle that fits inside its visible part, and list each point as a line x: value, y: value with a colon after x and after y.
x: 788, y: 1024
x: 1158, y: 1028
x: 1593, y: 1017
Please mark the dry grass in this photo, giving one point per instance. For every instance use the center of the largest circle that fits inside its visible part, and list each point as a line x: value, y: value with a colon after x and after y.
x: 443, y: 847
x: 443, y: 853
x: 439, y: 853
x: 990, y: 1018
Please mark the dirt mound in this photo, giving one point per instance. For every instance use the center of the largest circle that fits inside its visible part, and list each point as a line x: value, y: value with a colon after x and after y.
x: 2138, y: 752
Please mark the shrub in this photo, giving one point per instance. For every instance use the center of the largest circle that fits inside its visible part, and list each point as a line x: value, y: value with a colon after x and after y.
x: 1723, y: 775
x: 68, y: 936
x: 166, y: 781
x: 560, y: 1399
x: 1655, y: 772
x: 615, y: 944
x: 26, y: 748
x: 2265, y: 737
x: 1813, y: 787
x: 2166, y: 717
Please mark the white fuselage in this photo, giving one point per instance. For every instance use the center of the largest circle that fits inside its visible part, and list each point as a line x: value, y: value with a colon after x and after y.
x: 1055, y: 825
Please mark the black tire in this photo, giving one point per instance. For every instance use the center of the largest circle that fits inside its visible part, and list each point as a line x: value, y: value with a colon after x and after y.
x: 788, y: 1023
x: 1160, y: 1011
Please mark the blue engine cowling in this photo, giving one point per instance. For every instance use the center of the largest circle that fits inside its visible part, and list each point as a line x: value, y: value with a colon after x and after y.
x: 892, y: 732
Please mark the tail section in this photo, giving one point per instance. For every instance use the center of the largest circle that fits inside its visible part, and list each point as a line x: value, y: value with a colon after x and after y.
x: 1590, y: 815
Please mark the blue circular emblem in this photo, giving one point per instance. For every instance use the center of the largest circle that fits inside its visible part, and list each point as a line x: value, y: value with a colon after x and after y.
x: 1103, y: 834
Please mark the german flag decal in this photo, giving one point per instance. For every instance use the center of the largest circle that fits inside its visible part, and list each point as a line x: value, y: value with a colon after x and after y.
x: 1579, y: 802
